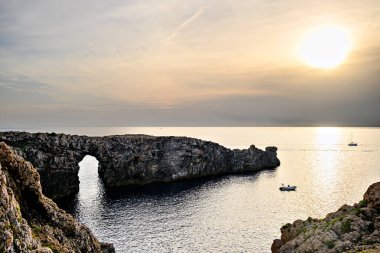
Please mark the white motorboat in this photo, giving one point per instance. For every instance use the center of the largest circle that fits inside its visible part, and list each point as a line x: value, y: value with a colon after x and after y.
x: 288, y: 188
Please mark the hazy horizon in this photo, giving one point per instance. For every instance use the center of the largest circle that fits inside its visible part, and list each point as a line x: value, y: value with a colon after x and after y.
x: 176, y: 63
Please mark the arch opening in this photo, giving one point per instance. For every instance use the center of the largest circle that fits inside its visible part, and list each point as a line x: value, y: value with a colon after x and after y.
x: 86, y: 201
x: 91, y: 191
x: 88, y: 175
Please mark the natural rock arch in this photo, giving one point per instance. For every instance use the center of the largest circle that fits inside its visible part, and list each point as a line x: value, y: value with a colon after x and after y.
x: 131, y: 159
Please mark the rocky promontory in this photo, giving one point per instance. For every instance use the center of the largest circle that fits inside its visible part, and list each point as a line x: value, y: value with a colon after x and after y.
x: 350, y: 229
x: 31, y: 222
x: 131, y: 159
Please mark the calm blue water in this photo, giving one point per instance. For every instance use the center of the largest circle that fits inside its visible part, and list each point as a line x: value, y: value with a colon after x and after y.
x: 241, y: 213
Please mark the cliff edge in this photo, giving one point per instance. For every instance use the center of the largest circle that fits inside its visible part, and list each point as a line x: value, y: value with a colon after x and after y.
x: 31, y: 222
x: 350, y: 229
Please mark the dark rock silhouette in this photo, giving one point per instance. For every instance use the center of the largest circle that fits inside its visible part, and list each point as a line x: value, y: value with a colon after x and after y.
x: 31, y: 222
x: 131, y: 159
x: 350, y: 229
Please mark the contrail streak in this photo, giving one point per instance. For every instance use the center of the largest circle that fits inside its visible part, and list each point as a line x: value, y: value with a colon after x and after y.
x: 186, y: 23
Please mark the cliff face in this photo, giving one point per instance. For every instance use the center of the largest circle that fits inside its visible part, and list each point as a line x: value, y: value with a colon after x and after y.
x: 31, y: 222
x: 131, y: 159
x: 350, y: 229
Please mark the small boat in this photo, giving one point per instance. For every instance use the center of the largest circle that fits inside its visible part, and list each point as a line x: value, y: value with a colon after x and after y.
x: 288, y: 188
x: 352, y: 144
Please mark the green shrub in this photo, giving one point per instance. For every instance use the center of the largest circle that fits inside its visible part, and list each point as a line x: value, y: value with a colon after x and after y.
x: 363, y: 203
x: 36, y: 228
x: 346, y: 226
x: 357, y: 211
x: 330, y: 244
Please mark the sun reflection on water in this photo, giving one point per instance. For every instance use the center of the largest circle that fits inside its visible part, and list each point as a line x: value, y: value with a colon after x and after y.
x: 328, y: 136
x: 324, y: 164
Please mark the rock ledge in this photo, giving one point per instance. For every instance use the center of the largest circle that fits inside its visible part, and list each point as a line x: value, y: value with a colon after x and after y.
x: 31, y: 222
x: 350, y: 229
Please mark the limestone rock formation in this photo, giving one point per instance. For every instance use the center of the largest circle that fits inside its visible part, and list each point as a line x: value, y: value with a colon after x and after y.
x: 350, y: 229
x: 31, y: 222
x: 131, y: 159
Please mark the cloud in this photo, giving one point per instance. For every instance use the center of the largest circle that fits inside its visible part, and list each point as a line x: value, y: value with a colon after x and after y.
x: 20, y: 93
x: 22, y: 83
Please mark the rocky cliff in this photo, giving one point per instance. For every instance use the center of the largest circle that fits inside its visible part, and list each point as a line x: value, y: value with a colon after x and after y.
x: 31, y: 222
x: 350, y: 229
x: 131, y: 159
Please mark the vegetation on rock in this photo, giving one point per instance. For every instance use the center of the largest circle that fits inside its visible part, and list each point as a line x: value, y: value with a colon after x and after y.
x: 350, y: 229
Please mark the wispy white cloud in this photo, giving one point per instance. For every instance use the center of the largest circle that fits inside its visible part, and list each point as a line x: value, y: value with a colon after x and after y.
x: 186, y: 23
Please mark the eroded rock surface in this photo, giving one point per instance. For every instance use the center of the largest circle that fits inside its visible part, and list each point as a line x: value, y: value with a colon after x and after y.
x: 350, y: 229
x: 131, y: 159
x: 31, y: 222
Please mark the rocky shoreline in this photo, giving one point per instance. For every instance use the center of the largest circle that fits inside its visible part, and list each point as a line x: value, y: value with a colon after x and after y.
x: 31, y: 222
x: 131, y: 159
x: 350, y: 229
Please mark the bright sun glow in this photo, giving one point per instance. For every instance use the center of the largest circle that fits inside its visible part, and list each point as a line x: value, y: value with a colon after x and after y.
x: 325, y: 47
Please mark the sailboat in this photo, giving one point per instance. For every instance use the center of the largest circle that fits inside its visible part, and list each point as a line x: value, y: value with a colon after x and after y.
x: 352, y: 144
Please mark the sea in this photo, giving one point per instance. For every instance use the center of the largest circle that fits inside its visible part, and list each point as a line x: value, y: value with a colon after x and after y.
x: 232, y: 213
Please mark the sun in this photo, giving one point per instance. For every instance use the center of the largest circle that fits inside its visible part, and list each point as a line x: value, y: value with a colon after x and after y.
x: 325, y: 47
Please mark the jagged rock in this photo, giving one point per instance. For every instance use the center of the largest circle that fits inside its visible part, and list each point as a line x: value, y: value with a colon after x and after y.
x: 31, y: 222
x: 372, y: 196
x: 350, y: 229
x: 131, y: 159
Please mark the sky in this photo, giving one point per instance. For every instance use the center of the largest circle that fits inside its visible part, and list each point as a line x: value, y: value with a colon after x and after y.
x: 184, y: 63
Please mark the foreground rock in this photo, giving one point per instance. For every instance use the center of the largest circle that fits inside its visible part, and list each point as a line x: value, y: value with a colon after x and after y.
x: 31, y: 222
x: 131, y: 159
x: 350, y: 229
